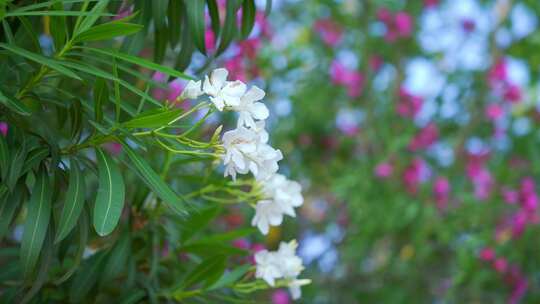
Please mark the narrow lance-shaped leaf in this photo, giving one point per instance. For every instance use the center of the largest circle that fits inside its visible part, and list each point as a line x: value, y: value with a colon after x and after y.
x: 110, y: 195
x: 34, y: 158
x: 8, y: 207
x: 229, y: 27
x: 74, y: 201
x: 95, y: 13
x: 174, y: 18
x: 213, y: 11
x: 50, y: 63
x: 108, y: 30
x: 37, y: 221
x: 195, y: 14
x: 248, y: 17
x: 14, y: 104
x: 154, y: 182
x: 153, y: 118
x: 4, y: 158
x: 101, y: 95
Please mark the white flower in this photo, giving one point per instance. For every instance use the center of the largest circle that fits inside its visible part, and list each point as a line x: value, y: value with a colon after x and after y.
x: 250, y: 109
x: 281, y: 264
x: 261, y: 131
x: 192, y: 90
x: 222, y: 92
x: 239, y: 143
x: 265, y: 161
x: 294, y: 287
x: 246, y: 151
x: 267, y: 268
x: 286, y: 193
x: 267, y: 213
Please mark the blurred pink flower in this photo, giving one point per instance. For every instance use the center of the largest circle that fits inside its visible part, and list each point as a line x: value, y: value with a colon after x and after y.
x: 512, y: 93
x: 487, y: 254
x: 375, y: 62
x: 494, y: 111
x: 250, y: 47
x: 329, y: 31
x: 528, y: 196
x: 280, y: 296
x: 408, y: 105
x: 175, y: 89
x: 209, y: 40
x: 398, y: 25
x: 123, y: 12
x: 384, y: 170
x: 350, y: 79
x: 500, y: 265
x: 236, y: 68
x: 425, y: 138
x: 113, y: 148
x: 430, y: 3
x: 4, y: 128
x: 416, y: 173
x: 241, y: 244
x: 468, y: 25
x: 262, y: 22
x: 498, y: 72
x: 159, y: 93
x: 519, y: 223
x: 480, y: 176
x: 441, y: 191
x: 510, y: 196
x: 519, y: 290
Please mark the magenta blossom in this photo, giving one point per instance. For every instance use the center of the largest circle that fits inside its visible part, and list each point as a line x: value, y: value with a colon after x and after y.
x: 384, y: 170
x: 408, y: 105
x: 329, y: 31
x: 425, y: 138
x: 498, y: 72
x: 113, y: 148
x: 350, y: 79
x: 398, y: 25
x: 494, y: 111
x: 512, y: 93
x: 375, y: 62
x: 4, y: 128
x: 416, y: 173
x: 500, y: 265
x: 487, y: 254
x: 441, y: 191
x: 210, y: 40
x: 280, y: 296
x: 468, y: 25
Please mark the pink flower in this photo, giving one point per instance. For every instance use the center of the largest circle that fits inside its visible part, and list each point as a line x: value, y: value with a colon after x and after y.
x: 416, y: 173
x: 425, y: 138
x: 262, y: 22
x: 512, y: 93
x: 250, y: 47
x: 175, y: 89
x: 519, y: 223
x: 468, y: 25
x: 329, y: 31
x: 494, y: 111
x: 4, y: 128
x: 500, y: 265
x: 441, y: 191
x: 519, y: 290
x: 498, y: 72
x: 375, y: 62
x: 408, y: 105
x: 399, y: 25
x: 123, y: 12
x: 384, y: 170
x: 236, y: 68
x: 480, y: 176
x: 280, y: 296
x: 159, y: 93
x: 487, y: 254
x: 113, y: 148
x: 528, y: 196
x: 241, y: 244
x: 510, y: 196
x: 210, y: 40
x: 350, y: 79
x: 430, y: 3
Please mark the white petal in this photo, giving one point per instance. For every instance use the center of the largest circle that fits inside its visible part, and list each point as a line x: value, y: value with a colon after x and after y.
x: 254, y: 94
x: 259, y: 111
x: 218, y: 77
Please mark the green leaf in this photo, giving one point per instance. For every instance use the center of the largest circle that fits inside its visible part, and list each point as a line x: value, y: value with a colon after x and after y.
x: 116, y: 263
x: 159, y: 12
x: 153, y: 118
x: 86, y: 277
x: 184, y: 58
x: 50, y: 63
x: 15, y: 170
x: 140, y: 62
x: 4, y: 158
x: 58, y: 27
x: 229, y: 28
x: 198, y: 221
x: 14, y: 104
x: 94, y: 15
x: 213, y: 11
x: 110, y: 195
x: 34, y: 158
x: 101, y: 96
x: 108, y: 30
x: 208, y: 271
x: 160, y: 43
x: 57, y: 13
x: 195, y: 15
x: 9, y: 206
x: 83, y: 228
x: 42, y: 275
x: 74, y: 202
x: 154, y: 182
x: 230, y: 277
x: 174, y: 18
x: 37, y: 222
x: 248, y: 17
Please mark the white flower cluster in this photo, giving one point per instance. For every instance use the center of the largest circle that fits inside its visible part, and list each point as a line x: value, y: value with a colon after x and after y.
x: 247, y: 150
x: 281, y: 264
x: 246, y: 147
